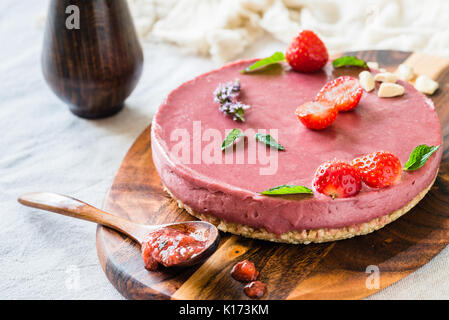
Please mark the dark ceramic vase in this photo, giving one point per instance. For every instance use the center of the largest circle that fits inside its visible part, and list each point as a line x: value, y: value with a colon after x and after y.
x: 91, y: 57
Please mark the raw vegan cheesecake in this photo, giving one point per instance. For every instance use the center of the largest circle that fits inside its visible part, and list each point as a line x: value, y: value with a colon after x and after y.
x: 225, y: 187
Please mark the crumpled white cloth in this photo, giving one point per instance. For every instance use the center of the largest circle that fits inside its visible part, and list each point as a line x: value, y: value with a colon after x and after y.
x: 225, y: 28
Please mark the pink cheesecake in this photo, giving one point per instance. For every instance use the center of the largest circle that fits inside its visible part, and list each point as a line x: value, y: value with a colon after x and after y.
x: 224, y: 187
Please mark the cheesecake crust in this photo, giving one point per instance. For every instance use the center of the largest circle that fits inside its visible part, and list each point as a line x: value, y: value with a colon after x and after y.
x: 305, y: 236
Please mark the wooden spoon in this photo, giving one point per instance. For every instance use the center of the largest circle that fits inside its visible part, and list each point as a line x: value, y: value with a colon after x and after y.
x: 72, y: 207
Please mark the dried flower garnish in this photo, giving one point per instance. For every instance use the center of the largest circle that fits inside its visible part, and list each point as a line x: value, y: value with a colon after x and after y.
x: 226, y: 95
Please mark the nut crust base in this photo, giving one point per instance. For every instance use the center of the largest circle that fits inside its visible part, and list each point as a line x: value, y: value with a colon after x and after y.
x: 305, y: 236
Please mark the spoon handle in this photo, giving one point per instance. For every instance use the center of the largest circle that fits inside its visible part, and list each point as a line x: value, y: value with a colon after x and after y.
x: 72, y: 207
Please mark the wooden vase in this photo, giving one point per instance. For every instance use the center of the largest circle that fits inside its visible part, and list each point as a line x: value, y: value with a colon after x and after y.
x: 92, y: 58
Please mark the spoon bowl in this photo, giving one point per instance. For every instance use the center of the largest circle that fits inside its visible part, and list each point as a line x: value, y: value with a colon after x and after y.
x: 75, y: 208
x: 199, y: 229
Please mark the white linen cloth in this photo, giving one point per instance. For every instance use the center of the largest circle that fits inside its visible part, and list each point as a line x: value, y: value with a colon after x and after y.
x: 46, y: 148
x: 225, y: 28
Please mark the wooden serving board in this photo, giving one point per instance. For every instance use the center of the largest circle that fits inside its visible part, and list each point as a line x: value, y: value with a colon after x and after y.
x: 334, y: 270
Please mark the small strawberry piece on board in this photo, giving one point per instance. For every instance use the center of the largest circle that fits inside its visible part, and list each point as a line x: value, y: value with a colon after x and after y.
x: 255, y: 289
x: 244, y: 271
x: 343, y: 92
x: 307, y: 53
x: 337, y: 179
x: 378, y: 169
x: 316, y: 115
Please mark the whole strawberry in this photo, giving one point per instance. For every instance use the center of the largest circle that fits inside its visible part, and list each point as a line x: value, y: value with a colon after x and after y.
x: 337, y: 179
x: 379, y: 169
x: 316, y: 115
x: 307, y: 53
x: 343, y: 92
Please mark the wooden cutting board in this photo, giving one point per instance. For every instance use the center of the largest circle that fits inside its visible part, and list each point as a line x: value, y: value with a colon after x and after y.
x: 336, y: 270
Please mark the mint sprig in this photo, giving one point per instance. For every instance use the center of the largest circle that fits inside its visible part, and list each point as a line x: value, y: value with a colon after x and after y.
x: 277, y: 57
x: 349, y: 61
x: 419, y: 157
x: 231, y: 137
x: 287, y: 189
x: 269, y: 141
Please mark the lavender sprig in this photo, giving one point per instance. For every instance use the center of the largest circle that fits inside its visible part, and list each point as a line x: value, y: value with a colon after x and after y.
x: 226, y: 95
x: 228, y: 92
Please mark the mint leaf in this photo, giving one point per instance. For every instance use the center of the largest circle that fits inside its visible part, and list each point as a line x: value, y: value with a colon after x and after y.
x: 277, y: 57
x: 269, y: 141
x: 231, y: 137
x: 349, y: 61
x: 419, y: 156
x: 287, y: 189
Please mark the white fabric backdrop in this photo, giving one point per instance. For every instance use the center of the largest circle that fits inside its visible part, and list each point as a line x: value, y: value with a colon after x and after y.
x: 45, y: 148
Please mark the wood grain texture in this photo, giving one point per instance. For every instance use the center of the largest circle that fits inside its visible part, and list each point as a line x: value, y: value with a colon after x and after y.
x: 334, y: 270
x: 96, y: 67
x: 75, y: 208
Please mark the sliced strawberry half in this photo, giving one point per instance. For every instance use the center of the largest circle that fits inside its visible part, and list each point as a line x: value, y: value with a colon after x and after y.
x: 344, y: 92
x: 379, y: 169
x: 337, y: 179
x: 316, y: 115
